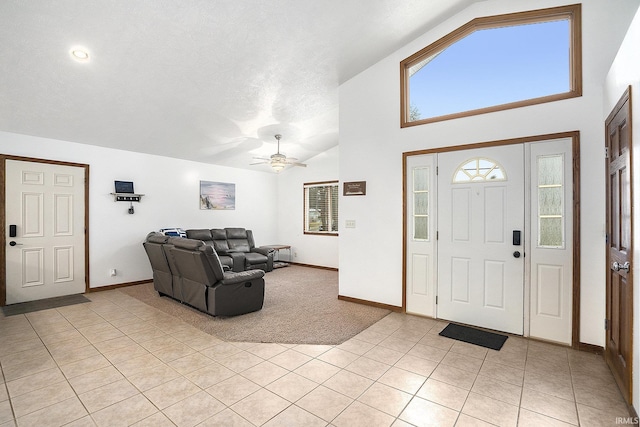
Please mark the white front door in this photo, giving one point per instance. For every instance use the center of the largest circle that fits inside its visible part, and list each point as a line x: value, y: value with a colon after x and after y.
x: 480, y: 266
x: 46, y: 204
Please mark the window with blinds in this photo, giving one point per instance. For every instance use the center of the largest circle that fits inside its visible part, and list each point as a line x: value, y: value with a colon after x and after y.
x: 321, y: 208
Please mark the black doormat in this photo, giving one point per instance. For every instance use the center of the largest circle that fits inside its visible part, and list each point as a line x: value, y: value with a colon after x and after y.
x: 43, y: 304
x: 474, y: 336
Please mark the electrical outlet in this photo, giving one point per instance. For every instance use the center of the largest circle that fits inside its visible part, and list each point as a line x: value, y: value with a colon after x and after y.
x: 112, y: 272
x: 350, y: 223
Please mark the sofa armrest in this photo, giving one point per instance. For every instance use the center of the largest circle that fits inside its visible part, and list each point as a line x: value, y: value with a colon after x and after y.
x: 238, y: 261
x: 231, y: 278
x: 269, y: 253
x: 263, y: 251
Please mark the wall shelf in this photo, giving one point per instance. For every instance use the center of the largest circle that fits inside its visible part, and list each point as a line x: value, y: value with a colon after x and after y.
x: 126, y: 197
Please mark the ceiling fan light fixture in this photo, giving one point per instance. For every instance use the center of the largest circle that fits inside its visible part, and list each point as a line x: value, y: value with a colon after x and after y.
x: 278, y: 161
x: 277, y: 165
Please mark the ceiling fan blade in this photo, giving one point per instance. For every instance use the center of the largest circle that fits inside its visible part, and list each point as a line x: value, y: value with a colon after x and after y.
x: 298, y: 164
x: 261, y: 158
x: 259, y: 163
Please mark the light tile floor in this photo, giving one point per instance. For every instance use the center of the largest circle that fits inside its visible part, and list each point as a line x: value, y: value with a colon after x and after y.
x: 116, y: 361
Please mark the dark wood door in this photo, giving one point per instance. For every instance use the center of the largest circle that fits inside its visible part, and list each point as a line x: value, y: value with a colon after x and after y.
x: 619, y: 256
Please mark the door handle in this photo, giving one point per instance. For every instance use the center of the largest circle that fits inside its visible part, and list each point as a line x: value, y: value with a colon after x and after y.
x: 516, y: 254
x: 616, y: 266
x: 14, y: 243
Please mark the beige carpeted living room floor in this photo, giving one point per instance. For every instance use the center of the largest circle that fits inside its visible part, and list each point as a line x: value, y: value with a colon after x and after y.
x: 301, y: 306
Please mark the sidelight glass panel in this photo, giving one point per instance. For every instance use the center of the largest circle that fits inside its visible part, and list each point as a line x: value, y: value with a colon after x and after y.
x: 550, y: 170
x: 421, y: 203
x: 550, y: 199
x: 421, y: 179
x: 421, y: 228
x: 550, y: 234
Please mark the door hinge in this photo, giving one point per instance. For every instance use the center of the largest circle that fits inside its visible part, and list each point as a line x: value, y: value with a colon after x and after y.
x: 436, y: 170
x: 606, y: 152
x: 606, y: 324
x: 437, y: 235
x: 436, y: 299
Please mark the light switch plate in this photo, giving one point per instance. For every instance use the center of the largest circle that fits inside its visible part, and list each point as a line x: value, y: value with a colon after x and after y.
x: 350, y: 223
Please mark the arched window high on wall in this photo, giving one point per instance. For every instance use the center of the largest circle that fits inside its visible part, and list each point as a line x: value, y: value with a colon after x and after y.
x: 494, y: 63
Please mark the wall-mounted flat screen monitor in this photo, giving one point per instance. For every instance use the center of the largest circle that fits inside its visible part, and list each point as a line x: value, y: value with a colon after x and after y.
x: 124, y: 187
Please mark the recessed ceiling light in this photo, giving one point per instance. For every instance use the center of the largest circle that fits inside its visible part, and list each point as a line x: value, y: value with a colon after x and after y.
x: 80, y: 54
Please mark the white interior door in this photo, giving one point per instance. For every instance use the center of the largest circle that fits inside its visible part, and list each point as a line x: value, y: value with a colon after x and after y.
x: 480, y: 269
x: 46, y: 204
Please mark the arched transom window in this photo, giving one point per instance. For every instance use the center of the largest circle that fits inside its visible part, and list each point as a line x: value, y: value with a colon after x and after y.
x: 479, y: 170
x: 494, y: 63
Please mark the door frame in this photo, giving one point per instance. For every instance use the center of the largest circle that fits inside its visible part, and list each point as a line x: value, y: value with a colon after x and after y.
x: 3, y: 228
x: 575, y: 148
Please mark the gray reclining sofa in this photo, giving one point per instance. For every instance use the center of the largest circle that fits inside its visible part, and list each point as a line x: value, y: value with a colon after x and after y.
x: 191, y: 272
x: 235, y: 247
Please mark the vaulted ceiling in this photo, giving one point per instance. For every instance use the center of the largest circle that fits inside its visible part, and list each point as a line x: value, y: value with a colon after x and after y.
x: 205, y: 80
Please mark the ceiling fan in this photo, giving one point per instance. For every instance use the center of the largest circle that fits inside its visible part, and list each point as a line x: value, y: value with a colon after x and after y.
x: 278, y: 161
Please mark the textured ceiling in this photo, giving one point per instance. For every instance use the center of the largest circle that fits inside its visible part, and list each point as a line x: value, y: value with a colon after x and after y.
x: 205, y: 80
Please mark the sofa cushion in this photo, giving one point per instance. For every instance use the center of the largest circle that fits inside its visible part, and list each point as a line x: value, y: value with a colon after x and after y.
x: 254, y: 258
x: 236, y: 233
x: 218, y: 234
x: 189, y: 244
x: 238, y: 245
x: 220, y: 243
x: 155, y: 237
x: 199, y: 234
x: 221, y: 246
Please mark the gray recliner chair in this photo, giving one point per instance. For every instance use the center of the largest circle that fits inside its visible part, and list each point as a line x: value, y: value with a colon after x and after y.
x: 207, y: 287
x: 162, y: 274
x: 240, y: 240
x: 166, y: 280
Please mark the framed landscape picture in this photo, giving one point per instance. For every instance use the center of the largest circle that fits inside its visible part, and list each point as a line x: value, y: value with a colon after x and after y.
x: 217, y: 195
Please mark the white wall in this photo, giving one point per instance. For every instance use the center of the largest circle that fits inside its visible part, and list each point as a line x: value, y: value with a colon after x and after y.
x: 372, y: 143
x: 625, y: 72
x: 171, y: 189
x: 305, y: 248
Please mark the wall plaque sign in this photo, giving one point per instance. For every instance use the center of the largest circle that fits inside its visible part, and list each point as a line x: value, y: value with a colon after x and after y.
x: 355, y: 188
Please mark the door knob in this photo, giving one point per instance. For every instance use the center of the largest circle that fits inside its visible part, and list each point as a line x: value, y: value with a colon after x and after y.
x: 616, y: 266
x: 13, y: 243
x: 516, y: 254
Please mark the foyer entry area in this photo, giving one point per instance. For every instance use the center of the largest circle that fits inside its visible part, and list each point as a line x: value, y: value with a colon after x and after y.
x: 490, y: 236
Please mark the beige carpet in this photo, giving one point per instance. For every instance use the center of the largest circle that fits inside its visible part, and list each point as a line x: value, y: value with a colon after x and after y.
x: 300, y: 306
